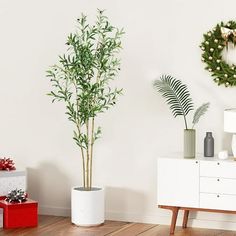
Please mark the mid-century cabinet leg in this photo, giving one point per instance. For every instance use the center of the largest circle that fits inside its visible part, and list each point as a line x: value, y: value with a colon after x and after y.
x: 185, y: 219
x: 175, y: 211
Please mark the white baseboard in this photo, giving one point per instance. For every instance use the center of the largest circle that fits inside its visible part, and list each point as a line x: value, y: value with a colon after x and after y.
x: 147, y: 218
x: 165, y: 220
x: 54, y: 211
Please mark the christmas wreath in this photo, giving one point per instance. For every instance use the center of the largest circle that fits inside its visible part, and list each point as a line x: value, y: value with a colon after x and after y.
x: 214, y: 43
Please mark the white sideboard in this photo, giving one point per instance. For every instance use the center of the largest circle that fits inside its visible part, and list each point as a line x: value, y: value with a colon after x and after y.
x: 201, y: 184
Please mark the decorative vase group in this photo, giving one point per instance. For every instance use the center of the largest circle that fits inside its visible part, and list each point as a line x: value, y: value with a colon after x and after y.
x: 190, y: 144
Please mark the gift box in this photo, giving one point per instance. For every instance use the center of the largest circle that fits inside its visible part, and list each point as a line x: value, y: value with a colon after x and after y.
x: 1, y: 218
x: 16, y: 215
x: 10, y: 180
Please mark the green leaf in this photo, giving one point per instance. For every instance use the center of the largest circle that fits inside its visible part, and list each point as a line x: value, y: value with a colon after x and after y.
x: 200, y: 112
x: 176, y: 95
x: 81, y: 78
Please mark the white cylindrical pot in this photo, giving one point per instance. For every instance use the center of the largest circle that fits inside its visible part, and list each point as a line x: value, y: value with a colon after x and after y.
x: 87, y: 207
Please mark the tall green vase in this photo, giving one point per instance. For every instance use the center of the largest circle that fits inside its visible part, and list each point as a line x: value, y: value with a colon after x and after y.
x: 189, y: 143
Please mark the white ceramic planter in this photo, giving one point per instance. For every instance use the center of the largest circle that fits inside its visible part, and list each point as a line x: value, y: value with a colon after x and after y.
x: 87, y: 207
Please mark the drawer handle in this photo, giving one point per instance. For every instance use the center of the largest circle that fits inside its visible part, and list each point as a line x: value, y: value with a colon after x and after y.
x: 218, y: 163
x: 218, y: 179
x: 218, y: 195
x: 196, y: 162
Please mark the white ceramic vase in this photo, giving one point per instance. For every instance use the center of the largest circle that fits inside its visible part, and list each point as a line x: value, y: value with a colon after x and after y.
x: 87, y: 207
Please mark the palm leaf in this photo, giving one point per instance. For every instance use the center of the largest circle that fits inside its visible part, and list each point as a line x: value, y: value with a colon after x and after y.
x: 176, y: 95
x: 200, y: 112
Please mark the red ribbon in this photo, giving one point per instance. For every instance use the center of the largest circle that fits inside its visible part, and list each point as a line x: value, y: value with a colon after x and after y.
x: 7, y: 164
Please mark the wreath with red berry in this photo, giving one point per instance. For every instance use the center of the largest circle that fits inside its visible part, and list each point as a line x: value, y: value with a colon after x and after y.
x: 212, y: 46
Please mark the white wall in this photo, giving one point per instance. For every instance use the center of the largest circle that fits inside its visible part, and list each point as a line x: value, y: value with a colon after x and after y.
x: 161, y: 37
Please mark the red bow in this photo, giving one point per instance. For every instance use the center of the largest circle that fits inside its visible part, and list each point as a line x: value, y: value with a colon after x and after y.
x: 7, y: 164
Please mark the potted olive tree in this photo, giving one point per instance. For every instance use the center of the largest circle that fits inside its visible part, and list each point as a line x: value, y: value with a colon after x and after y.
x: 82, y: 80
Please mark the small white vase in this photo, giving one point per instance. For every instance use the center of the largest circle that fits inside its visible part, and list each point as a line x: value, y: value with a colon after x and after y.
x: 87, y: 207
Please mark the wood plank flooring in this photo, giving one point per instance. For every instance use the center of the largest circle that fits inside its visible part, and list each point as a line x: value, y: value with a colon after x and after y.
x: 61, y: 226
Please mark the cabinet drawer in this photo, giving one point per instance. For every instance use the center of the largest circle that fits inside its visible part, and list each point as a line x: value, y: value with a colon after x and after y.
x: 218, y: 201
x: 217, y: 185
x: 222, y: 169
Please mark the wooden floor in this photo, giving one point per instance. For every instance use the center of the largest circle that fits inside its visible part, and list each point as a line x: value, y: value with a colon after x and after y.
x: 61, y: 226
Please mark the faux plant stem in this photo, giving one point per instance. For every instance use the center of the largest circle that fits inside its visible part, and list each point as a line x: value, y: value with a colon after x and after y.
x: 91, y: 152
x: 88, y: 157
x: 83, y: 159
x: 79, y: 131
x: 92, y: 137
x: 185, y: 122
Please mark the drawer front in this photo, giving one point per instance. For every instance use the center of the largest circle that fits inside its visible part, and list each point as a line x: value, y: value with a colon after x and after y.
x: 218, y: 201
x: 221, y: 169
x: 217, y: 185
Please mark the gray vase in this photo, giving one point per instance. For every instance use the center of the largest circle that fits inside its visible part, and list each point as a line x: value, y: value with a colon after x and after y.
x: 189, y: 143
x: 209, y: 145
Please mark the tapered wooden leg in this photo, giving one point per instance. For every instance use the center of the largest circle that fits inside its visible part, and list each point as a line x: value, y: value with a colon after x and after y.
x: 175, y: 211
x: 185, y: 219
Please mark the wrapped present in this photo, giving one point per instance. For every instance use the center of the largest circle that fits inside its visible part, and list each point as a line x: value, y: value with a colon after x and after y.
x: 17, y: 215
x: 1, y: 218
x: 9, y: 180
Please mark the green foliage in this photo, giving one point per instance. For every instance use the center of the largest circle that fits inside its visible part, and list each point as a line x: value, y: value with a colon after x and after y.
x: 200, y: 112
x: 176, y: 94
x: 82, y: 77
x: 178, y: 98
x: 212, y: 47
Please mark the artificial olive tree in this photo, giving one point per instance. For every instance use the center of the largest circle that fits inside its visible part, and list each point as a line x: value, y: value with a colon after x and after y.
x: 82, y: 80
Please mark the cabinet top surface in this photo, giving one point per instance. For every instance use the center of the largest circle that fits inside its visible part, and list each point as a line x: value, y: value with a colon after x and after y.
x: 199, y: 157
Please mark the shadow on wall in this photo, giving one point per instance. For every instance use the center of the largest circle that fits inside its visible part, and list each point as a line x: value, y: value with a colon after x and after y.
x: 49, y: 186
x: 119, y: 201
